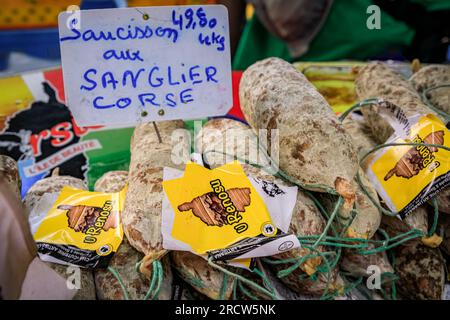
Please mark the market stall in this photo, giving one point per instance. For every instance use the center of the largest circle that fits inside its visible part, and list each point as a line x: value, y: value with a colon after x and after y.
x: 144, y: 168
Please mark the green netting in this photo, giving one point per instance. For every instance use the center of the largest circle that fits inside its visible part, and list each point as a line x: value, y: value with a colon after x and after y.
x: 337, y: 241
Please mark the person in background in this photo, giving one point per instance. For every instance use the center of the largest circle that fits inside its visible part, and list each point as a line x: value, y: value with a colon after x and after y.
x: 327, y: 30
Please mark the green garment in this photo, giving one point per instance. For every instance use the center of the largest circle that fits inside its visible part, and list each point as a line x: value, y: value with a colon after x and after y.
x: 433, y: 5
x: 343, y: 36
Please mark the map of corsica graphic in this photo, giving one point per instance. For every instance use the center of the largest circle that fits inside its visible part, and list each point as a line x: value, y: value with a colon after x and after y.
x: 14, y: 140
x: 412, y: 162
x: 210, y: 209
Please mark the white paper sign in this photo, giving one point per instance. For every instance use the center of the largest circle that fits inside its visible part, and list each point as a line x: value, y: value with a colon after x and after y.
x: 131, y: 65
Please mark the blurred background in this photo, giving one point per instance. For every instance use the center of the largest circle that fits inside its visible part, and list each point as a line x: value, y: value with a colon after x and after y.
x: 296, y: 30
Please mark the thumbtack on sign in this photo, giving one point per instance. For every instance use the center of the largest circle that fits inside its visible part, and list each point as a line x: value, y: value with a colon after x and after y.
x: 179, y: 66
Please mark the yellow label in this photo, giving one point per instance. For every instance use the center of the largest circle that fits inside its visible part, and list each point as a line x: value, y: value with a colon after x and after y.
x: 246, y: 263
x: 87, y: 220
x: 216, y: 208
x: 15, y: 96
x: 404, y: 171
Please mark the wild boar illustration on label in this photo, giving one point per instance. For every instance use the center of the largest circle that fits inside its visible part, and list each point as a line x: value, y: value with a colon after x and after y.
x: 217, y: 208
x: 418, y: 158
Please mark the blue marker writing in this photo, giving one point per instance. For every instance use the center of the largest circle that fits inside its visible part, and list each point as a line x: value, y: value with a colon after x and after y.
x: 133, y: 77
x: 186, y: 96
x: 92, y: 82
x: 148, y: 97
x: 123, y: 55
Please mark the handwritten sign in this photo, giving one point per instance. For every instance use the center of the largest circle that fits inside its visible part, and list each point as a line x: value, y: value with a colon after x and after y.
x: 132, y: 65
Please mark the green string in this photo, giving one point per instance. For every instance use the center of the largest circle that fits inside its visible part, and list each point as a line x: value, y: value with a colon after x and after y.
x: 338, y: 251
x: 281, y: 261
x: 440, y: 112
x: 353, y: 243
x: 384, y: 234
x: 385, y: 278
x: 394, y: 290
x: 392, y: 278
x: 366, y: 102
x: 374, y: 201
x: 368, y: 294
x: 286, y: 177
x: 320, y: 208
x: 235, y: 281
x: 157, y: 276
x: 352, y: 284
x: 327, y: 273
x: 318, y: 241
x: 337, y: 242
x: 285, y: 272
x: 324, y: 268
x: 336, y: 259
x: 152, y: 283
x: 349, y: 222
x: 435, y: 217
x: 412, y: 234
x: 299, y: 261
x: 246, y: 292
x: 339, y: 203
x: 223, y: 289
x: 137, y: 266
x: 392, y: 260
x: 265, y: 280
x: 121, y: 284
x: 394, y: 238
x: 160, y: 279
x: 243, y: 279
x: 413, y: 144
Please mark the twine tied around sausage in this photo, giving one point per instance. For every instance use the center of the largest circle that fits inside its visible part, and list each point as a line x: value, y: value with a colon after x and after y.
x: 338, y: 241
x: 268, y: 292
x: 328, y: 264
x: 237, y: 283
x: 155, y: 281
x: 279, y: 173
